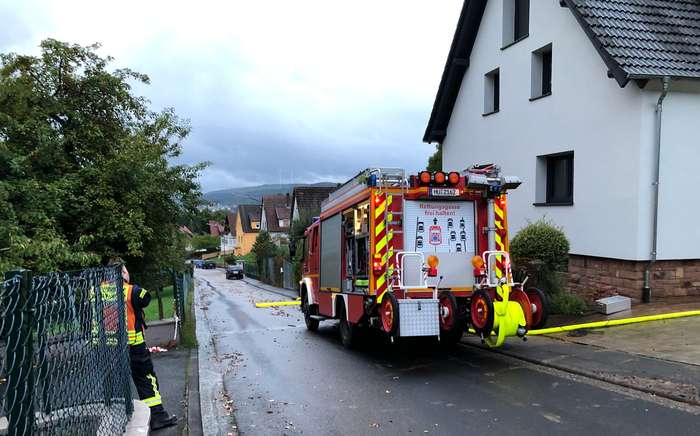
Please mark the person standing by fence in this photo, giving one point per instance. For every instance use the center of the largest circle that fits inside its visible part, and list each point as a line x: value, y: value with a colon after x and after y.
x: 136, y: 299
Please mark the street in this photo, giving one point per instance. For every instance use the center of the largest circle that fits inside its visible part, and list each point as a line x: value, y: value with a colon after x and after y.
x: 263, y: 373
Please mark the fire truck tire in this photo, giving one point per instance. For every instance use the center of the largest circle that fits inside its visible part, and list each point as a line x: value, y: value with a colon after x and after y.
x: 541, y: 303
x: 311, y: 323
x: 348, y: 331
x: 389, y: 314
x: 451, y: 326
x: 481, y: 312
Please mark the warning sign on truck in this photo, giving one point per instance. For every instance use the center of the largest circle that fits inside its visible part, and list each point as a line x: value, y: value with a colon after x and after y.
x: 439, y: 226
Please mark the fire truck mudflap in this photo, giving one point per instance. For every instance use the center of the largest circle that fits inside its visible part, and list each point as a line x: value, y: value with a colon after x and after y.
x: 423, y: 256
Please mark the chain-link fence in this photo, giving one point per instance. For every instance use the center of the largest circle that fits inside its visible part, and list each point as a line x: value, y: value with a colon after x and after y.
x: 182, y: 286
x: 65, y: 362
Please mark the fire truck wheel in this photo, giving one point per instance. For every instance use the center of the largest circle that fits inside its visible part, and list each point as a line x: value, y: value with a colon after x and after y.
x: 389, y: 314
x: 348, y: 331
x: 541, y: 307
x: 481, y: 310
x: 448, y: 311
x: 311, y: 323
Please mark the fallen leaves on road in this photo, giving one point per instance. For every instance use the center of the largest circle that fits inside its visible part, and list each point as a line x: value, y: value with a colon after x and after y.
x: 374, y: 425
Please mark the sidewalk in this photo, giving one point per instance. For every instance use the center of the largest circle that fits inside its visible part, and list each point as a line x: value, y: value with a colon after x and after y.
x: 174, y: 369
x: 665, y: 339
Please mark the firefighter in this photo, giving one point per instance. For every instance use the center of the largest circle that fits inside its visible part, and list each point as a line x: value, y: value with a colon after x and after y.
x: 136, y: 299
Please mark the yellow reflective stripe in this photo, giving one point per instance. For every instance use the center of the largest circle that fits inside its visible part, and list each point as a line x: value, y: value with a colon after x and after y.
x: 499, y: 211
x: 379, y: 210
x: 135, y: 338
x: 155, y: 399
x: 380, y: 280
x: 499, y: 225
x: 379, y: 228
x: 389, y: 199
x: 499, y: 242
x: 143, y: 293
x: 381, y: 244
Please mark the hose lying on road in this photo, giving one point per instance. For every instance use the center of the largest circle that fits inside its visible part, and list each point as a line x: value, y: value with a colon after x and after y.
x: 614, y: 322
x: 278, y: 303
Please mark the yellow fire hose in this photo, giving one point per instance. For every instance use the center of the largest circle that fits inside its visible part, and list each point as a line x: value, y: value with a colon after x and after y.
x: 614, y: 322
x: 609, y: 323
x: 296, y: 302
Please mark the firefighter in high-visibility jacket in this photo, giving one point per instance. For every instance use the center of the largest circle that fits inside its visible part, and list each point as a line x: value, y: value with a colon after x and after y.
x: 136, y: 299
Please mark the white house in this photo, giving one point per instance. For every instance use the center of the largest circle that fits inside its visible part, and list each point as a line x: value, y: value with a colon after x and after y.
x: 565, y: 94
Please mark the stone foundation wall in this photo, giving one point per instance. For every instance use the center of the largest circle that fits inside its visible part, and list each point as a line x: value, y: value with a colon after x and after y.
x: 598, y: 277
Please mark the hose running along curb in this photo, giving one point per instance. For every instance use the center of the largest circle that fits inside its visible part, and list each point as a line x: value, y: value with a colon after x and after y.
x: 614, y: 322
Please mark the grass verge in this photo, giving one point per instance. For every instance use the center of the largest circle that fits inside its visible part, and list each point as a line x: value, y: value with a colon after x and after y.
x: 166, y: 297
x: 188, y: 332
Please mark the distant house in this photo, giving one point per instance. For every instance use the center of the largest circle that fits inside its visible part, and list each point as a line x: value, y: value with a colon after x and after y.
x: 247, y: 227
x: 306, y: 200
x: 216, y: 228
x: 228, y: 238
x: 276, y: 216
x: 595, y: 106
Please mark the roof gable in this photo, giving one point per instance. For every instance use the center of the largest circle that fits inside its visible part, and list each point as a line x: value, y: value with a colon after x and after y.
x: 248, y: 213
x: 637, y: 39
x: 308, y: 199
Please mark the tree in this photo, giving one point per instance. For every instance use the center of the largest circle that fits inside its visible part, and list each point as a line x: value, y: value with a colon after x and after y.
x: 206, y: 242
x: 84, y: 165
x: 435, y: 161
x: 263, y: 248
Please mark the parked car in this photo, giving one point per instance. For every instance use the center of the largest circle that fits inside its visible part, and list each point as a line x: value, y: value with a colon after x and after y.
x: 234, y: 271
x: 209, y: 264
x: 198, y: 263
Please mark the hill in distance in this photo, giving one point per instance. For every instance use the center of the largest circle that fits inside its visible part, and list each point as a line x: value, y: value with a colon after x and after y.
x: 232, y: 197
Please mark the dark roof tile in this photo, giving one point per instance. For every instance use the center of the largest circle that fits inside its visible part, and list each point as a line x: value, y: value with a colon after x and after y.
x: 643, y: 39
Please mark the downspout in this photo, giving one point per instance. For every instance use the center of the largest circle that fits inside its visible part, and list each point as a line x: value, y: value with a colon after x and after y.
x: 646, y: 290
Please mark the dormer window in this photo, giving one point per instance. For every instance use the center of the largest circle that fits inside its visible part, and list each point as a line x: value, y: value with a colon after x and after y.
x: 516, y: 21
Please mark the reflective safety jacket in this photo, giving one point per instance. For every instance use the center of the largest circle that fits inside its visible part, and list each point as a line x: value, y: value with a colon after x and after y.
x: 136, y: 299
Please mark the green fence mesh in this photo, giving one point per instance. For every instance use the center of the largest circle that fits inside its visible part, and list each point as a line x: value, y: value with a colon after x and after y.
x: 65, y: 362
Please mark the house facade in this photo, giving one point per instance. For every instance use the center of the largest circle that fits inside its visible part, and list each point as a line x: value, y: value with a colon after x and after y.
x: 566, y: 95
x: 247, y: 227
x: 275, y: 216
x: 228, y: 238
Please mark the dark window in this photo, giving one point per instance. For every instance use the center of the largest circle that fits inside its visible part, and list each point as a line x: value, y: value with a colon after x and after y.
x: 546, y: 72
x: 560, y: 178
x: 541, y: 72
x: 492, y: 92
x: 521, y: 19
x: 496, y: 91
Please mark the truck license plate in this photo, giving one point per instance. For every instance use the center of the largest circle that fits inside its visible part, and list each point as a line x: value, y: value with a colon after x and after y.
x: 444, y: 192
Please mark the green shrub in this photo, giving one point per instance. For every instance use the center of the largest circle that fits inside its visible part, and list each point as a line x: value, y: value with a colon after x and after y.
x: 543, y: 243
x: 229, y: 259
x: 566, y: 303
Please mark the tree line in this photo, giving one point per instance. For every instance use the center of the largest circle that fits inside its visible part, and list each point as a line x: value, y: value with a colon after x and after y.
x: 87, y: 168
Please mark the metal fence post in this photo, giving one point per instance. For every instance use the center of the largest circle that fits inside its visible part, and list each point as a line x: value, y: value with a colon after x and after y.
x: 183, y: 283
x: 19, y: 397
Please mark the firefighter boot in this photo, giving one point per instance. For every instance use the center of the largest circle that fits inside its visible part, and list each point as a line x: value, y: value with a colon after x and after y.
x: 161, y: 419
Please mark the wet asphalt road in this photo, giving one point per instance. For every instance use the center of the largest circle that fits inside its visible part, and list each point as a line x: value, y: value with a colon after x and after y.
x: 281, y: 379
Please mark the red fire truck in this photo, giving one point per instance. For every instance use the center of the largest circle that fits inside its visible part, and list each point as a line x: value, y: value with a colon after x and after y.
x: 423, y: 256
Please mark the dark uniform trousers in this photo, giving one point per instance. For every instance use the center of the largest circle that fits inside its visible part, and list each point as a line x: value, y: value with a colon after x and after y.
x: 145, y: 377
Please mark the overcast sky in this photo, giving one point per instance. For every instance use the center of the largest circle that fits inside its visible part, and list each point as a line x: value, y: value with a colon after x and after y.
x: 291, y: 91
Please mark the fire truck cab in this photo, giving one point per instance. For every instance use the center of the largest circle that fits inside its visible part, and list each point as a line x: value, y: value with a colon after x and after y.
x: 425, y: 255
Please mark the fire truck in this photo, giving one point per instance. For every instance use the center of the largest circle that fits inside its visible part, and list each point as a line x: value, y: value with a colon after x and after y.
x: 425, y: 255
